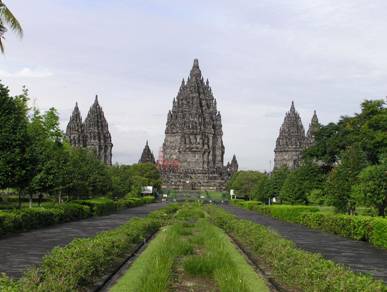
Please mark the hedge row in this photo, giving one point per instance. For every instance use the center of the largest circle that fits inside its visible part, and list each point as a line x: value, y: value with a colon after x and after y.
x: 365, y: 228
x: 38, y: 217
x: 293, y: 268
x: 80, y: 264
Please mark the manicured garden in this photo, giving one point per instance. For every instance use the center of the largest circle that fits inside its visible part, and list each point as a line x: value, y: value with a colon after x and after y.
x: 365, y: 228
x: 197, y: 248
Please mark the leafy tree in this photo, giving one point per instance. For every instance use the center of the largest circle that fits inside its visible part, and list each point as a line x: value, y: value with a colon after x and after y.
x: 274, y: 183
x: 367, y: 129
x: 8, y: 20
x: 301, y: 182
x: 372, y: 187
x: 245, y: 182
x: 13, y: 138
x: 260, y: 191
x: 144, y: 174
x: 343, y: 177
x: 121, y: 180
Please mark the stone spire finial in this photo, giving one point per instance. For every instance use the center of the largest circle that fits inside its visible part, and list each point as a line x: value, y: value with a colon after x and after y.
x: 147, y: 155
x: 195, y: 71
x: 292, y: 108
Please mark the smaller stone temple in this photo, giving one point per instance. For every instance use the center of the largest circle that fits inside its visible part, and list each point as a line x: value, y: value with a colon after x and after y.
x: 232, y: 167
x: 93, y: 133
x: 147, y: 155
x: 292, y: 141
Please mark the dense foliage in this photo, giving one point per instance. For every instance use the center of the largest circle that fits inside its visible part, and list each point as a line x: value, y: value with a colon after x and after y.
x: 245, y: 182
x: 346, y: 167
x: 37, y: 160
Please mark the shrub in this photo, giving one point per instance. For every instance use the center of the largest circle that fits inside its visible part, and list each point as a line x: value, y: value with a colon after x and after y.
x: 99, y: 206
x: 25, y: 219
x: 292, y: 267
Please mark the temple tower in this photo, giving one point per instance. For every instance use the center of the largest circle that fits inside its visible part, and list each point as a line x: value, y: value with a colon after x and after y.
x: 97, y: 135
x: 74, y: 130
x: 291, y: 141
x: 194, y: 137
x: 232, y: 167
x: 314, y: 126
x: 147, y: 155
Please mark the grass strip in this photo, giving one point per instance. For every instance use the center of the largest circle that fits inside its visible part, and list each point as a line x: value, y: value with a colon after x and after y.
x: 199, y: 252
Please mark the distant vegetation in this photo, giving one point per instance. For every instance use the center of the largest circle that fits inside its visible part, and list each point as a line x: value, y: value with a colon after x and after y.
x: 346, y: 168
x: 36, y: 160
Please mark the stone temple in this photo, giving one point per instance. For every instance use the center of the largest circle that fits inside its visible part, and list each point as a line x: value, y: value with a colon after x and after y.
x: 292, y: 141
x: 193, y: 152
x: 93, y: 133
x: 147, y: 155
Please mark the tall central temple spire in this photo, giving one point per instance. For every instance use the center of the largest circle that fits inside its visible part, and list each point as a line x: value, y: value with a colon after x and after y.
x: 193, y: 137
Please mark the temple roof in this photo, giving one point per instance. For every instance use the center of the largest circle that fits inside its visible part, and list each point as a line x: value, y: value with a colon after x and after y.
x: 292, y: 133
x: 147, y: 155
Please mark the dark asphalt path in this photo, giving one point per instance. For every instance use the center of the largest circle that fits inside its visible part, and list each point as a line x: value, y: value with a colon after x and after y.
x: 357, y: 255
x: 18, y: 252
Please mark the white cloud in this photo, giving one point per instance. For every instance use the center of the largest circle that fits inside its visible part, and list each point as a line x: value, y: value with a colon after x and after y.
x: 27, y: 73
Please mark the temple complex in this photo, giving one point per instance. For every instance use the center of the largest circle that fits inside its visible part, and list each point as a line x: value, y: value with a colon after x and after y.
x: 147, y: 155
x: 93, y: 133
x: 292, y: 141
x: 193, y: 151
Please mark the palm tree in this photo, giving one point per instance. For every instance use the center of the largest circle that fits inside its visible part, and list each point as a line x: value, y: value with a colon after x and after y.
x: 7, y: 19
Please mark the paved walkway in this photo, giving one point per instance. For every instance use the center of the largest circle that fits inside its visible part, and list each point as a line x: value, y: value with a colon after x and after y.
x: 18, y: 252
x: 359, y: 256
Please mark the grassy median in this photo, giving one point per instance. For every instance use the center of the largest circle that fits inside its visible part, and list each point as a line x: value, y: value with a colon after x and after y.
x: 191, y: 255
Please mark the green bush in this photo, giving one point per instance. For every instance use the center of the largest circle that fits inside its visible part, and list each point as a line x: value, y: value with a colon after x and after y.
x: 27, y: 219
x: 82, y: 262
x: 365, y: 228
x: 99, y: 206
x: 290, y: 266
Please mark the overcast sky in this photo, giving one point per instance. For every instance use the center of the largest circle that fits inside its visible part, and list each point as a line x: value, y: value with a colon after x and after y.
x: 260, y: 55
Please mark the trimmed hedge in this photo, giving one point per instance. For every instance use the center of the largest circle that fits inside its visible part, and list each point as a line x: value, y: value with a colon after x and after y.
x: 27, y: 219
x: 33, y: 218
x: 81, y: 263
x: 365, y: 228
x: 291, y: 267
